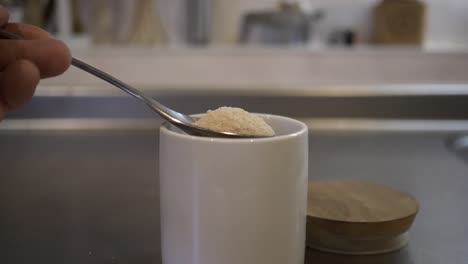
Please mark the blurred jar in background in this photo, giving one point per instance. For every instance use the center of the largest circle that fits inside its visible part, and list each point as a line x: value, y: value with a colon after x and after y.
x: 122, y: 22
x: 399, y: 22
x: 288, y: 24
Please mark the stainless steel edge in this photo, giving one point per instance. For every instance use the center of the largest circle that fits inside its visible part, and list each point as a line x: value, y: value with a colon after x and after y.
x: 316, y: 124
x: 291, y: 90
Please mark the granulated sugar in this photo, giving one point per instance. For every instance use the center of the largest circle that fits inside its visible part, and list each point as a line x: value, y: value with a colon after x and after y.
x: 234, y: 120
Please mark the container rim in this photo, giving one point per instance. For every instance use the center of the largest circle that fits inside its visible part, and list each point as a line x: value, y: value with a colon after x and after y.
x: 166, y: 128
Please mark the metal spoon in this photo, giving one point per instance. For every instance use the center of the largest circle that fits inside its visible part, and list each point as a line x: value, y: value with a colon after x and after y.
x: 182, y: 121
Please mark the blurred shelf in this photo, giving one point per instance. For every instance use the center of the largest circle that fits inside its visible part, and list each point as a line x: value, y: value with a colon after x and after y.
x: 266, y: 69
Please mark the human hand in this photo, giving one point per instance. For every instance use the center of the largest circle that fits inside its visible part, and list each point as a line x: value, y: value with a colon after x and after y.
x: 24, y: 62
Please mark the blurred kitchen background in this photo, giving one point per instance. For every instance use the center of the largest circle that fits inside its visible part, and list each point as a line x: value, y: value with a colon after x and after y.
x: 430, y: 25
x: 260, y: 45
x: 382, y: 85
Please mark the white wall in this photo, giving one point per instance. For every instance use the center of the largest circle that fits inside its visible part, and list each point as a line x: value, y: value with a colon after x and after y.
x: 447, y: 26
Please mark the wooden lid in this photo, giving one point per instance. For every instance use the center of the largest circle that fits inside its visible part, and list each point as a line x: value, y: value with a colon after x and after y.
x: 358, y: 211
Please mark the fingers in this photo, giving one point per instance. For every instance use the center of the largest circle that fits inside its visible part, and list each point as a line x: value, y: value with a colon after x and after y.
x: 24, y: 62
x: 18, y: 82
x: 27, y: 31
x: 51, y: 56
x: 4, y: 15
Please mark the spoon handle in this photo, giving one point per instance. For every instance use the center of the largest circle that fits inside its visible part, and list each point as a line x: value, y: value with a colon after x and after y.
x: 89, y: 69
x: 153, y: 104
x: 156, y: 106
x: 108, y: 78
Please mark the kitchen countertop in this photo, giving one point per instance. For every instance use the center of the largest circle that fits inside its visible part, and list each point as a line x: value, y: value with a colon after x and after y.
x: 92, y: 196
x: 418, y: 163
